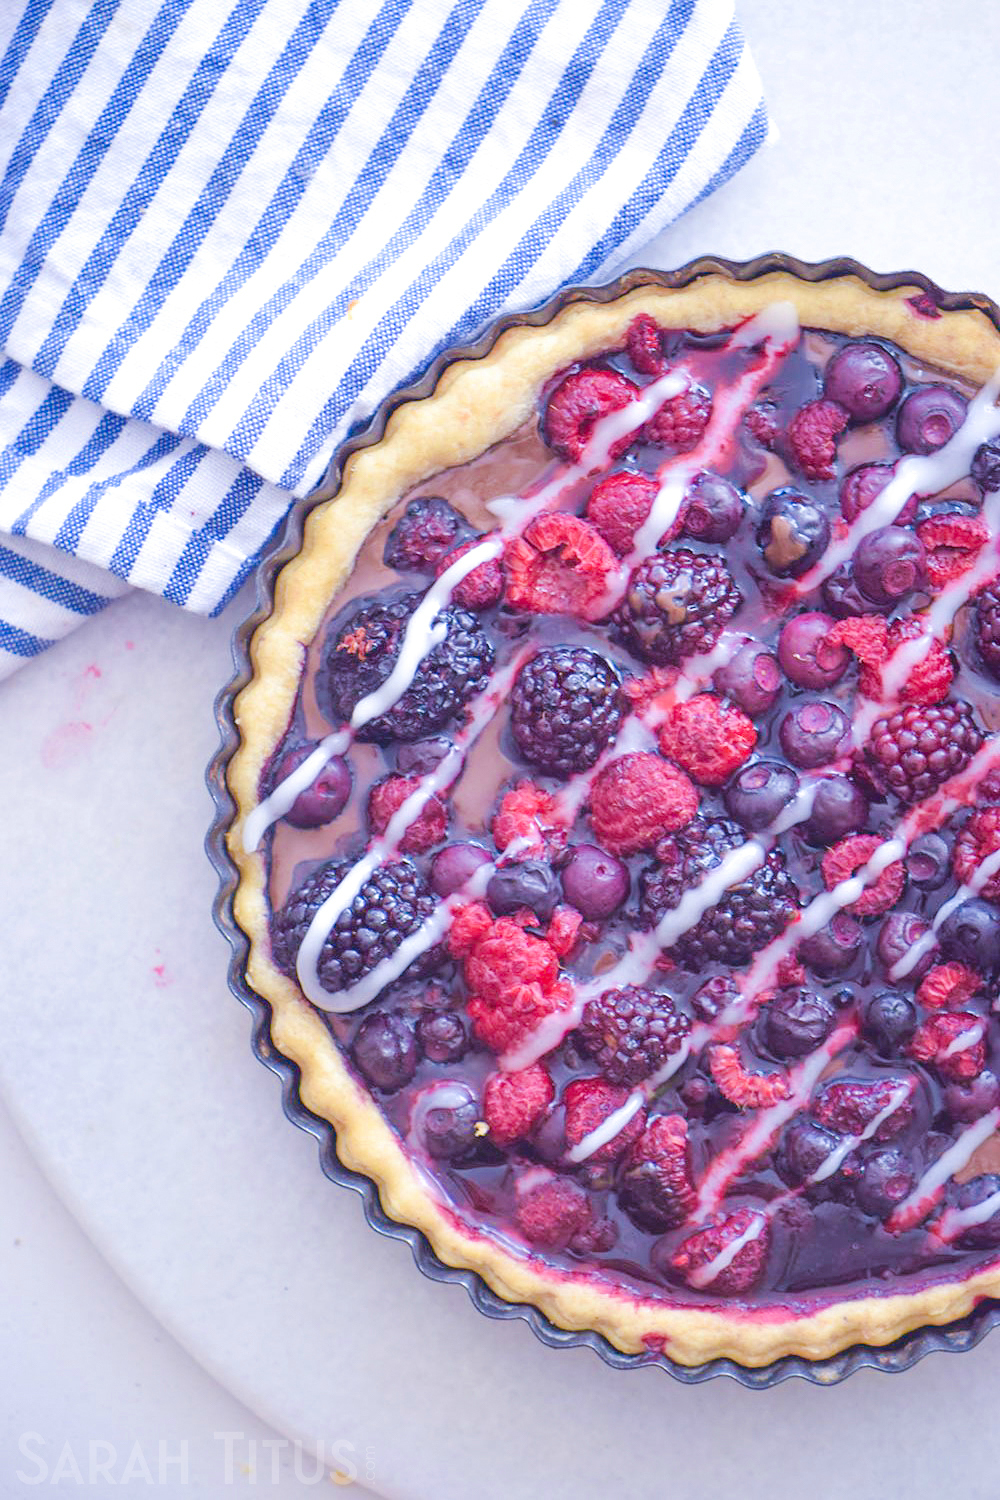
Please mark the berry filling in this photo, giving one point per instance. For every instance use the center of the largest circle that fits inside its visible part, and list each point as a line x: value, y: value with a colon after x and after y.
x: 635, y: 833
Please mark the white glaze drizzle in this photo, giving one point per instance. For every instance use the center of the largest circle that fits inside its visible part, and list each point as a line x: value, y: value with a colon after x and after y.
x: 987, y: 868
x: 920, y: 1202
x: 703, y: 1276
x: 918, y: 474
x: 445, y: 1094
x: 766, y: 1124
x: 955, y: 1221
x: 607, y: 1130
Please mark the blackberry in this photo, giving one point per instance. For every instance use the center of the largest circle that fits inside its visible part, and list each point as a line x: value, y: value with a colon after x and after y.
x: 744, y: 921
x: 363, y: 654
x: 566, y: 707
x: 391, y: 904
x: 428, y: 529
x: 988, y: 629
x: 676, y: 605
x: 913, y: 751
x: 631, y: 1032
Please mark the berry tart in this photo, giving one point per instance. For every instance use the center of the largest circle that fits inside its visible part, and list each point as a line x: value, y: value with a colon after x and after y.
x: 618, y: 811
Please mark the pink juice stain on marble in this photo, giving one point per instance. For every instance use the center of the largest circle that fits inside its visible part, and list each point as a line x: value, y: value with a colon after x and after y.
x: 69, y: 740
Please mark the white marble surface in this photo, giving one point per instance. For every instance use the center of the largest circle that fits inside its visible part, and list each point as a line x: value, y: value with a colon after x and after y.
x: 126, y: 1066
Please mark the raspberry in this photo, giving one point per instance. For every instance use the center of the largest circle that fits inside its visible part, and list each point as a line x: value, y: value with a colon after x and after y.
x: 515, y: 1103
x: 560, y: 566
x: 578, y: 403
x: 428, y: 528
x: 917, y: 749
x: 588, y: 1103
x: 364, y: 653
x: 503, y: 1023
x: 812, y: 437
x: 643, y: 692
x: 525, y: 812
x: 429, y: 828
x: 866, y: 635
x: 951, y: 543
x: 863, y: 485
x: 744, y: 1089
x: 934, y: 1040
x: 841, y: 862
x: 657, y: 1190
x: 929, y: 680
x: 480, y: 589
x: 851, y: 1106
x: 552, y: 1211
x: 564, y: 929
x: 988, y: 628
x: 644, y: 345
x: 761, y: 421
x: 513, y: 983
x: 948, y: 985
x: 392, y: 904
x: 977, y: 841
x: 748, y: 916
x: 637, y: 799
x: 566, y: 707
x: 739, y: 1274
x: 676, y: 604
x: 631, y: 1032
x: 469, y: 926
x: 708, y: 738
x: 681, y: 420
x: 620, y: 504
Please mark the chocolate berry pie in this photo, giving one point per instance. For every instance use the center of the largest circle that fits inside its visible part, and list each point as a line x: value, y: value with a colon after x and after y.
x: 619, y: 813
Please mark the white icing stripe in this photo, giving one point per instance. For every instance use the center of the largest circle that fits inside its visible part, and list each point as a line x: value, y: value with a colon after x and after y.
x: 608, y: 1129
x: 918, y: 474
x: 627, y: 419
x: 447, y: 1094
x: 766, y: 1124
x: 703, y: 1276
x: 955, y: 1221
x: 480, y: 715
x: 284, y: 795
x: 985, y: 871
x: 850, y: 1143
x: 920, y: 1202
x: 965, y: 1039
x: 549, y: 1032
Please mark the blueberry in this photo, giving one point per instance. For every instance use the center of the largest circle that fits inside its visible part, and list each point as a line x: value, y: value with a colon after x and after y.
x: 321, y: 802
x: 453, y: 865
x: 795, y: 1023
x: 449, y: 1130
x: 929, y: 417
x: 595, y: 882
x: 865, y: 379
x: 807, y: 655
x: 966, y: 1102
x: 986, y: 465
x: 751, y: 679
x: 530, y: 884
x: 971, y: 934
x: 897, y: 935
x: 885, y: 1179
x: 813, y: 734
x: 386, y: 1051
x: 928, y: 861
x: 442, y: 1035
x: 792, y: 533
x: 713, y: 510
x: 985, y: 1236
x: 839, y: 808
x: 803, y: 1151
x: 889, y: 1021
x: 889, y: 564
x: 422, y: 756
x: 758, y: 793
x: 833, y: 949
x: 842, y: 596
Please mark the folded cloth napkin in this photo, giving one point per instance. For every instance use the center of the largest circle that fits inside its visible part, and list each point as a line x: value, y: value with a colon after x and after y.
x: 228, y: 228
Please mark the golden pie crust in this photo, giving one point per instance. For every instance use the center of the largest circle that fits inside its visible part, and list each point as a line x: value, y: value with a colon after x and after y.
x: 476, y: 403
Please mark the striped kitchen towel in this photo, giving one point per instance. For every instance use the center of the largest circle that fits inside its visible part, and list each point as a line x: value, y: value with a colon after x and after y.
x: 228, y: 228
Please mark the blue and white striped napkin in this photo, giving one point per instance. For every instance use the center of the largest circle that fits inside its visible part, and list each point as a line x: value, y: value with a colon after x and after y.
x: 228, y: 228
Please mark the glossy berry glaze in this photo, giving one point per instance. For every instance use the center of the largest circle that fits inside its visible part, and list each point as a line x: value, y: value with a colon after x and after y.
x: 655, y: 894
